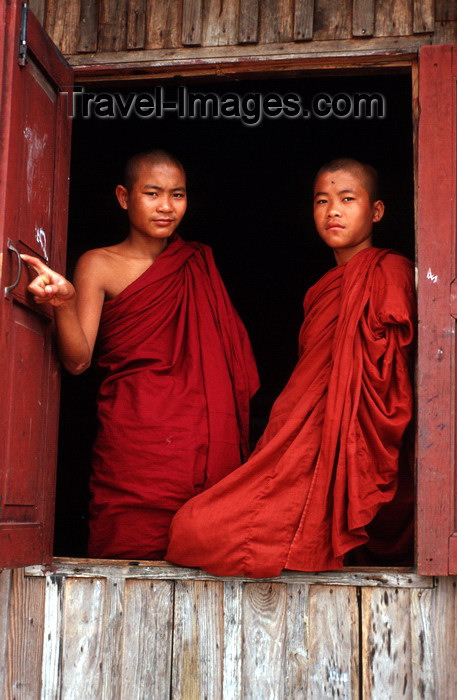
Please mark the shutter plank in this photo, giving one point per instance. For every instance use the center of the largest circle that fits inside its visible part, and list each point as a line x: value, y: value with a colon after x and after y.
x: 248, y: 30
x: 303, y: 20
x: 51, y: 668
x: 297, y: 641
x: 136, y: 24
x: 220, y: 22
x: 334, y: 643
x: 88, y: 25
x: 162, y: 24
x: 423, y: 648
x: 363, y: 17
x: 276, y: 21
x: 147, y: 647
x: 192, y: 25
x: 232, y: 663
x: 264, y: 628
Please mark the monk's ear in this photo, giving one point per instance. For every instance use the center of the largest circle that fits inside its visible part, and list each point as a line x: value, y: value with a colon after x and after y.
x: 378, y: 210
x: 122, y: 196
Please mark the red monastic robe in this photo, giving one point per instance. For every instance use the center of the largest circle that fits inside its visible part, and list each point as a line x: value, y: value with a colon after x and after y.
x: 328, y: 459
x: 173, y: 408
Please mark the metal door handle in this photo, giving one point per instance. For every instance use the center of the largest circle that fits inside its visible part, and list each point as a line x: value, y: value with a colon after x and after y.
x: 11, y: 247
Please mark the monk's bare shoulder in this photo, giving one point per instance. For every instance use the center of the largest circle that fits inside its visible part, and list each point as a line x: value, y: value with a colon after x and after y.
x: 96, y: 268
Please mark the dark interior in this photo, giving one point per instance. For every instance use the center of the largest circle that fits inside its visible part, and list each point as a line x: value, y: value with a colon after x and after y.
x: 249, y: 190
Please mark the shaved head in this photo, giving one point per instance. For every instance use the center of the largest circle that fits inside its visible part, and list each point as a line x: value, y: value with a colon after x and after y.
x: 150, y: 159
x: 367, y: 175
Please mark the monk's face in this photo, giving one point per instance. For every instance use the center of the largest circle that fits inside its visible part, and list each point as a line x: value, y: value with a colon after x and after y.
x: 156, y: 202
x: 343, y: 213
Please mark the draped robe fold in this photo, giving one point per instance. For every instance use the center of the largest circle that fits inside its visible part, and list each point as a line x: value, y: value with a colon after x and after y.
x: 328, y: 459
x: 173, y: 407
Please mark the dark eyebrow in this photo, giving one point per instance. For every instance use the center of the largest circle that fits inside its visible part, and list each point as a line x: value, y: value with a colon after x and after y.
x: 174, y: 189
x: 325, y: 194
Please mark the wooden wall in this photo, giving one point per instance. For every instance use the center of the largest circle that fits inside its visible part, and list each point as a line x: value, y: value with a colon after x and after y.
x: 107, y: 26
x: 88, y: 631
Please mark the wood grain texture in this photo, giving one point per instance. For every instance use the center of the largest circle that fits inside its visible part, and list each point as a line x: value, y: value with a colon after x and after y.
x: 297, y: 642
x: 363, y: 17
x: 198, y: 639
x: 445, y: 10
x: 424, y: 682
x: 61, y: 21
x: 5, y: 595
x: 386, y: 644
x: 276, y: 21
x: 88, y: 25
x: 136, y: 23
x: 264, y: 631
x: 51, y: 667
x: 220, y: 22
x: 112, y: 25
x: 445, y: 32
x: 393, y: 18
x: 162, y: 24
x: 423, y: 16
x: 38, y: 9
x: 303, y: 20
x: 89, y: 568
x: 232, y: 661
x: 334, y: 644
x: 25, y: 639
x: 192, y: 22
x: 147, y: 640
x: 332, y: 19
x: 248, y: 29
x: 82, y: 638
x: 442, y: 633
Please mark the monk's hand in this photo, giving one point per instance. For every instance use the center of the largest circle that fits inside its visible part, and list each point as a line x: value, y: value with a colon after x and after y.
x: 49, y: 287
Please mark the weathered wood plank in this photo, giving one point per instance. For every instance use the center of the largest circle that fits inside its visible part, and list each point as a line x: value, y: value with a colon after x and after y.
x: 445, y: 33
x: 110, y: 666
x: 363, y: 17
x: 422, y: 646
x: 198, y: 639
x: 90, y: 568
x: 82, y: 638
x: 334, y: 644
x: 25, y: 638
x: 393, y: 18
x: 220, y: 22
x: 445, y: 10
x: 5, y: 591
x: 276, y: 21
x: 52, y: 638
x: 88, y: 25
x: 136, y: 24
x: 264, y: 628
x: 62, y: 24
x: 423, y: 16
x: 303, y: 20
x: 147, y: 640
x: 232, y: 661
x: 38, y: 8
x: 112, y: 25
x: 248, y: 29
x: 443, y: 630
x: 162, y: 24
x: 297, y: 642
x: 386, y: 644
x: 332, y: 19
x: 192, y: 24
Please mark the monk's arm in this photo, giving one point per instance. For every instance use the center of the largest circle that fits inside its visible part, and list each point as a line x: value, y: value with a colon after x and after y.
x: 77, y: 307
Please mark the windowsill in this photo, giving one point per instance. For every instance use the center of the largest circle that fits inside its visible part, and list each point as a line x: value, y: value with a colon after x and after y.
x: 162, y: 570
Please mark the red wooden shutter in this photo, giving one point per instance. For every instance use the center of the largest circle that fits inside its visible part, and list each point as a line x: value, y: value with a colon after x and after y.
x: 34, y: 169
x: 437, y: 289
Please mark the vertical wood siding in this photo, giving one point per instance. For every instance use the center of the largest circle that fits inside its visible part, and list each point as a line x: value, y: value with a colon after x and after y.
x: 163, y: 633
x: 81, y: 26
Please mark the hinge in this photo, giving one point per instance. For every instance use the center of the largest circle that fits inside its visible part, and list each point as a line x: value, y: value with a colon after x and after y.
x: 453, y: 298
x: 22, y: 57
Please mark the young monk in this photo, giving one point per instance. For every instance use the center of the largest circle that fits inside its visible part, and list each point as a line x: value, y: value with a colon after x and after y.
x: 179, y: 370
x: 328, y: 460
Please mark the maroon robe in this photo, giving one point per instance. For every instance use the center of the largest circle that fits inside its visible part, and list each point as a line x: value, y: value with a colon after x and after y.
x: 328, y: 459
x: 173, y: 408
